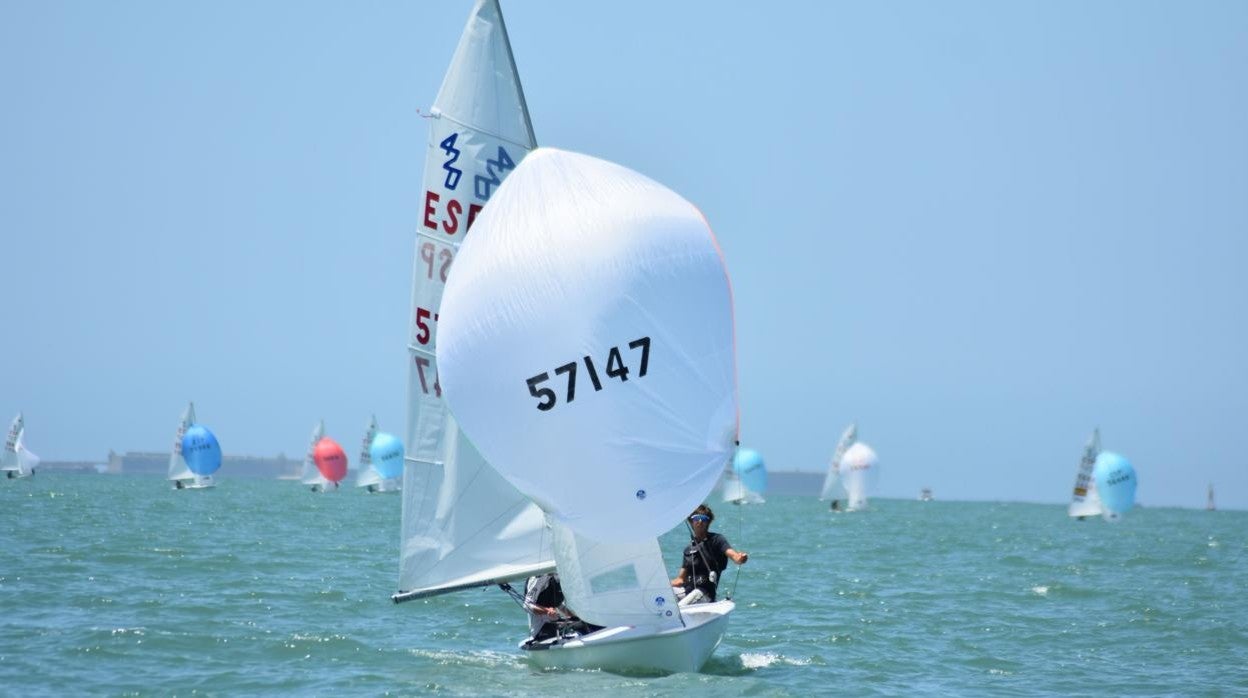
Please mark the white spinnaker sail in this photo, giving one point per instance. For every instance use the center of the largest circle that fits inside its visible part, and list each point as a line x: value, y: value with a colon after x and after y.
x: 8, y: 459
x: 614, y: 584
x: 368, y: 474
x: 1084, y: 500
x: 587, y: 346
x: 830, y: 481
x: 311, y: 475
x: 463, y: 524
x: 178, y: 469
x: 858, y: 461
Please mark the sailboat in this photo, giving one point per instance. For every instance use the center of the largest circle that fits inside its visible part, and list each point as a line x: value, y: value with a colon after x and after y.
x: 180, y: 474
x: 369, y: 478
x: 832, y: 479
x: 1084, y: 500
x: 1209, y: 505
x: 17, y: 461
x: 311, y: 476
x: 612, y: 287
x: 463, y: 525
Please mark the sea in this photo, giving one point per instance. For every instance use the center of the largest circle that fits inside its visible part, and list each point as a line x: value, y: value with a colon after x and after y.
x: 118, y: 585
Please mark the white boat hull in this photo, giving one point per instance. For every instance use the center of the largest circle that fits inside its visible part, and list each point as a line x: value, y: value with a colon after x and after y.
x: 18, y: 474
x: 384, y: 486
x: 634, y: 650
x: 197, y: 483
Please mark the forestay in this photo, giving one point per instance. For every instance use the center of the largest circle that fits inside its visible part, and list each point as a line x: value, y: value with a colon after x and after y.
x: 1084, y: 500
x: 463, y: 524
x: 587, y: 346
x: 178, y: 469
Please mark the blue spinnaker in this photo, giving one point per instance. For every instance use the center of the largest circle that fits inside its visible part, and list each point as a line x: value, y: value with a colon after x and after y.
x: 201, y: 450
x: 387, y: 455
x: 1115, y: 482
x: 748, y: 464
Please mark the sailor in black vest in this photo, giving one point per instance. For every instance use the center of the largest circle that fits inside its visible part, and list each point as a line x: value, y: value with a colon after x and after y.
x: 705, y: 558
x: 543, y: 599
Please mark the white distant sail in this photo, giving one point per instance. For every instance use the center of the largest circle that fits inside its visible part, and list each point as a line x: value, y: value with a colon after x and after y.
x: 586, y: 346
x: 311, y: 475
x: 1084, y: 501
x: 368, y: 475
x: 859, y: 460
x: 27, y: 461
x: 830, y: 481
x: 8, y: 459
x: 179, y: 472
x: 17, y: 461
x: 733, y: 491
x: 463, y: 524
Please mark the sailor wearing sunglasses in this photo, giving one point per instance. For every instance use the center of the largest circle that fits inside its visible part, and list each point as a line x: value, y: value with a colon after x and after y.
x: 705, y: 558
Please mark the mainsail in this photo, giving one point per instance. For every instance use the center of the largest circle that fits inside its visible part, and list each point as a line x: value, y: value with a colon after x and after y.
x: 368, y: 475
x: 832, y: 479
x: 463, y: 524
x: 178, y: 469
x: 1084, y: 500
x: 310, y: 475
x: 8, y: 459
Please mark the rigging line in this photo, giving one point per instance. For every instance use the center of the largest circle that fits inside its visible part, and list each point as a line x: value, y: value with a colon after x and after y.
x: 740, y: 532
x: 515, y: 595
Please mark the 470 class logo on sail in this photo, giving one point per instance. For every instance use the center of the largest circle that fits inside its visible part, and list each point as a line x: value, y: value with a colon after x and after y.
x: 615, y: 369
x: 446, y: 216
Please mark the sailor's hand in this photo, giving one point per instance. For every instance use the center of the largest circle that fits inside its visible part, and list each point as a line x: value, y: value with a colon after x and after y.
x: 743, y: 559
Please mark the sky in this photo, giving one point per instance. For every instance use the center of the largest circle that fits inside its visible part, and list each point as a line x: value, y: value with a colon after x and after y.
x: 977, y: 229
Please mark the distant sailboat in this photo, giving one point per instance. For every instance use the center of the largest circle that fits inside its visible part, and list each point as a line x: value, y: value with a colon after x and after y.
x: 368, y: 477
x: 832, y: 480
x: 179, y: 472
x: 310, y: 475
x: 331, y: 460
x: 1084, y: 501
x: 1209, y: 505
x: 1104, y: 485
x: 17, y: 461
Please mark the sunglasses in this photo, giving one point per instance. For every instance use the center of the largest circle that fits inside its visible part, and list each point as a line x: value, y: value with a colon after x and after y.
x: 700, y: 517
